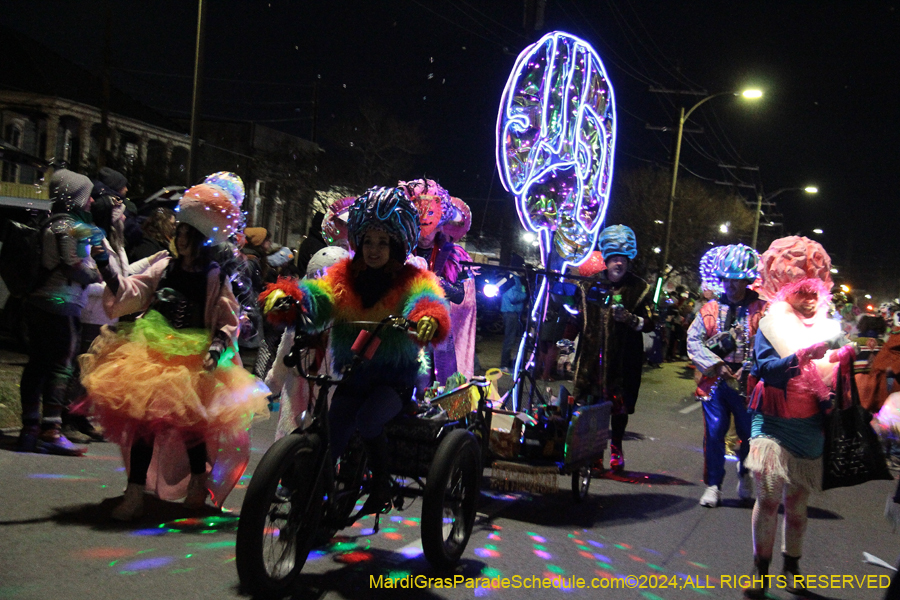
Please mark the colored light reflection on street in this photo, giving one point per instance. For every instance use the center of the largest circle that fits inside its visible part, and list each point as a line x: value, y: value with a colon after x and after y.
x: 61, y: 477
x: 411, y: 551
x: 355, y: 557
x: 152, y: 532
x: 212, y: 545
x: 146, y: 564
x: 105, y: 553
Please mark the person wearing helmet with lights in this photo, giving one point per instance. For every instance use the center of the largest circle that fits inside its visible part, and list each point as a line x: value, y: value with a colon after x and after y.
x: 720, y: 344
x: 170, y: 386
x: 616, y: 312
x: 375, y: 283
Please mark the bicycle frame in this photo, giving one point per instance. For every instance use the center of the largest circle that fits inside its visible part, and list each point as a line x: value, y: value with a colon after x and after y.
x: 319, y: 423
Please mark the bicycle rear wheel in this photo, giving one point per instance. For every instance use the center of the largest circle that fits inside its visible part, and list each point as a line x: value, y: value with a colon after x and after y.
x: 281, y: 514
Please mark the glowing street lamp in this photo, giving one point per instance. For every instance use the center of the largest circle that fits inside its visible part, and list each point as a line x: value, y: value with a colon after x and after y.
x: 818, y: 231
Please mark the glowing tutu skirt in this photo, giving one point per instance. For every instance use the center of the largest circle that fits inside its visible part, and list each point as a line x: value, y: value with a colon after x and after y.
x: 148, y: 379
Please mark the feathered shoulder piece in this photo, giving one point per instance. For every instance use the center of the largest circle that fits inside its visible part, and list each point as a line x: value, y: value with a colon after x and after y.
x: 280, y: 301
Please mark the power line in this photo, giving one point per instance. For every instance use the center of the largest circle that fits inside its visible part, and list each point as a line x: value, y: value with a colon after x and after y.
x: 452, y: 22
x: 245, y: 81
x: 488, y: 17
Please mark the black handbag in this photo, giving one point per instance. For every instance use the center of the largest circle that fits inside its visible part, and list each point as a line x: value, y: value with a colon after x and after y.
x: 853, y: 453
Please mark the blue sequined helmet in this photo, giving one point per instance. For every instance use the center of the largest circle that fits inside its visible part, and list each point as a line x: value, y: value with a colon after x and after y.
x: 737, y: 262
x: 617, y: 239
x: 387, y: 209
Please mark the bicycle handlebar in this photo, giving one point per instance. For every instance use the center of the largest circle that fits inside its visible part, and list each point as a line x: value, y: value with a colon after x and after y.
x: 360, y: 348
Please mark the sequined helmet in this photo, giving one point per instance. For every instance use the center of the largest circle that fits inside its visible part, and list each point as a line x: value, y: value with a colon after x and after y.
x: 387, y: 209
x: 737, y: 261
x: 617, y: 239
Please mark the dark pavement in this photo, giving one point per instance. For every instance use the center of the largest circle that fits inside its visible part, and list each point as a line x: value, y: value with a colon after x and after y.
x: 56, y: 539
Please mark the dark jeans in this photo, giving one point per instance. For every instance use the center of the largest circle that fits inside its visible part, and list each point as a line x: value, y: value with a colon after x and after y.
x: 366, y: 410
x: 52, y: 343
x: 512, y: 331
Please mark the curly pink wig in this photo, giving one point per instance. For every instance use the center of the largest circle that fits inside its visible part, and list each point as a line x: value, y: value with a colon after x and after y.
x: 790, y: 260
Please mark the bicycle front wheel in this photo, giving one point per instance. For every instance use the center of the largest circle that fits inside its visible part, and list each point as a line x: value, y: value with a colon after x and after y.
x: 281, y: 515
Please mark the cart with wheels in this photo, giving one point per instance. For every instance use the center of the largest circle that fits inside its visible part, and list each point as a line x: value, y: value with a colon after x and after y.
x: 550, y: 446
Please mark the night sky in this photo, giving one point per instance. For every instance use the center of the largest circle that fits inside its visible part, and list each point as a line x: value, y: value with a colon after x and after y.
x: 829, y: 71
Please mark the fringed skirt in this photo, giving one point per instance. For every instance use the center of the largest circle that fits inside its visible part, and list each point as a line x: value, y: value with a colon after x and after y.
x: 770, y: 459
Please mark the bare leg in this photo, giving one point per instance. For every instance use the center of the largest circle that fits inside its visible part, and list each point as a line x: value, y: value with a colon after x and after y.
x: 765, y: 513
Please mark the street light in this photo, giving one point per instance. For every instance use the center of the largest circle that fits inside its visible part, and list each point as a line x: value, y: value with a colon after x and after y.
x: 810, y: 189
x: 683, y: 116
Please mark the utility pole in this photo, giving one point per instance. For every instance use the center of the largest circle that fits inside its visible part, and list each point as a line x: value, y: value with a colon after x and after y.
x: 105, y: 89
x: 193, y: 157
x: 675, y: 161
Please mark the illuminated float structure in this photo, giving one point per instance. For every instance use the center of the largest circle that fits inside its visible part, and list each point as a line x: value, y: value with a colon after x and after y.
x: 556, y: 136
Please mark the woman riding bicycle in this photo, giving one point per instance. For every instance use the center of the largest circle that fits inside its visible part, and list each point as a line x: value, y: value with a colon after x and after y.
x: 375, y: 283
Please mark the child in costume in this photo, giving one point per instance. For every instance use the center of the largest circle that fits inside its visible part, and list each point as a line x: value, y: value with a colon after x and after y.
x: 377, y: 282
x: 170, y: 388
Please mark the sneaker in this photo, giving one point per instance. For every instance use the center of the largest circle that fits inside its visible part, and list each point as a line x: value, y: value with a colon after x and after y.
x: 712, y: 497
x: 745, y: 486
x: 75, y: 436
x: 616, y: 459
x: 52, y: 441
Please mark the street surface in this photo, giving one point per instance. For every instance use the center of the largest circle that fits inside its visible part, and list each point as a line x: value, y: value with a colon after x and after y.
x: 57, y: 541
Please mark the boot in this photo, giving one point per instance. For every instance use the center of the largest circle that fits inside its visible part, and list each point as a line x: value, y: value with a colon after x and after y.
x: 197, y: 491
x: 616, y: 458
x: 759, y: 579
x: 132, y: 505
x: 791, y: 569
x: 379, y: 500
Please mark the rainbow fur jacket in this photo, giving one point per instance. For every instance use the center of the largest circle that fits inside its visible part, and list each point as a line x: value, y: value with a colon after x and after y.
x: 415, y: 294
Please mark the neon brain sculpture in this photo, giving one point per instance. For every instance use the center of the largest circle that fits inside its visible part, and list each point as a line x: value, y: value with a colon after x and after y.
x: 556, y: 137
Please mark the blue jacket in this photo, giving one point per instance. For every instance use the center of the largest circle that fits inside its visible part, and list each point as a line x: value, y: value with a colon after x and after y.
x: 513, y: 299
